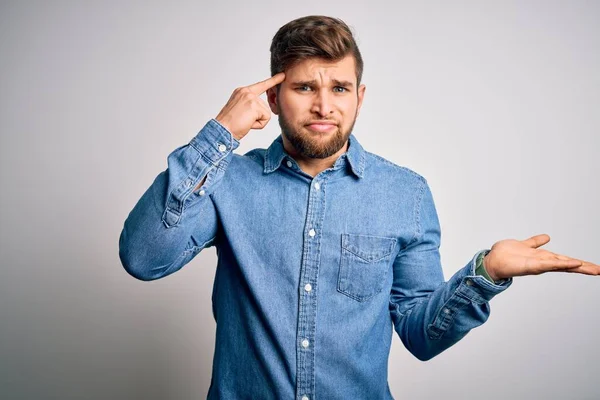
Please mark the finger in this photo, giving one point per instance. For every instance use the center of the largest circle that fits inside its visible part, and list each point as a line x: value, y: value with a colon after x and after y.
x: 537, y: 240
x: 548, y: 255
x: 265, y: 107
x: 583, y: 270
x: 590, y: 268
x: 586, y: 268
x: 584, y: 264
x: 265, y: 117
x: 587, y: 264
x: 259, y: 124
x: 261, y: 87
x: 563, y: 257
x: 558, y: 265
x: 264, y: 110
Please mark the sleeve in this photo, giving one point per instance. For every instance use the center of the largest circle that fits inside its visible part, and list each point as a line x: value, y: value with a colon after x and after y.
x: 430, y: 314
x: 171, y: 223
x: 480, y: 268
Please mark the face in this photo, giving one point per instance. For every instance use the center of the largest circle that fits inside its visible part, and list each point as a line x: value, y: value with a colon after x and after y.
x: 318, y: 103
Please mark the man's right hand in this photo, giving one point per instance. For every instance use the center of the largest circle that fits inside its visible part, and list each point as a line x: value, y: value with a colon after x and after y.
x: 245, y: 110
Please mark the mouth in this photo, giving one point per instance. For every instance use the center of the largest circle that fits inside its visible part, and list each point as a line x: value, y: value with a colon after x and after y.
x: 322, y: 127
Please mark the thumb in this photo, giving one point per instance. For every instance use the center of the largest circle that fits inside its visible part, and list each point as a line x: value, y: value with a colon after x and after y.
x: 537, y: 240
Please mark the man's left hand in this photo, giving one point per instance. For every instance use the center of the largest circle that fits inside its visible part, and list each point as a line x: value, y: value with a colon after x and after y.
x: 509, y: 258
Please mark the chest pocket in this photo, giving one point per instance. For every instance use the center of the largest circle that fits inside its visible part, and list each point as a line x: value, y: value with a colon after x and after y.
x: 364, y: 264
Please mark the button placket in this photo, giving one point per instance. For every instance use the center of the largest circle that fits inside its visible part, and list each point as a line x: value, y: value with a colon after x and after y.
x: 307, y: 310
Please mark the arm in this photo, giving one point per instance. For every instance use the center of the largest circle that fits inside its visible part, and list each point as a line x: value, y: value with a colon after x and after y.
x: 429, y: 314
x: 175, y: 218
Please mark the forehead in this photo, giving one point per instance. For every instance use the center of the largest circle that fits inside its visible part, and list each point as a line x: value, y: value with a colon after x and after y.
x: 322, y: 69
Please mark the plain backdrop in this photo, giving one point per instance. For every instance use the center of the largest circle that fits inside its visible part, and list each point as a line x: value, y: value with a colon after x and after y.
x: 495, y: 103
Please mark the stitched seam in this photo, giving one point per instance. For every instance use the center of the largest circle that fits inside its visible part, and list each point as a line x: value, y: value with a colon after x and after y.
x: 179, y: 204
x: 386, y: 255
x: 417, y: 211
x: 400, y: 167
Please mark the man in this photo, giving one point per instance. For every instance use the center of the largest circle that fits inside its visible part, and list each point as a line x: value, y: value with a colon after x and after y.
x: 323, y: 247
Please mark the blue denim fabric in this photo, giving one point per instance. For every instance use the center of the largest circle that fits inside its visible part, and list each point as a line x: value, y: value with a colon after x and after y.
x: 313, y: 273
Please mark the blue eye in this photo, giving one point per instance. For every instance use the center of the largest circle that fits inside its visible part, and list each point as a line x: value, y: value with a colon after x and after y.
x: 306, y: 88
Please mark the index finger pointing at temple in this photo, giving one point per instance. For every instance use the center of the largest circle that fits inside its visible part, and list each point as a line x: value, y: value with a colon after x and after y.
x: 261, y: 87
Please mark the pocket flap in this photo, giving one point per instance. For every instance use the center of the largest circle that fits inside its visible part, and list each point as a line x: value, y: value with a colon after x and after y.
x: 369, y: 248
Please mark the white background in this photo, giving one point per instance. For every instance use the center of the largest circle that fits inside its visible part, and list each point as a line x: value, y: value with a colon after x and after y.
x: 495, y: 103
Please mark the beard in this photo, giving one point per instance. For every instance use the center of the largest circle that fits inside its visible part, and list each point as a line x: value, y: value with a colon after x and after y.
x: 308, y: 143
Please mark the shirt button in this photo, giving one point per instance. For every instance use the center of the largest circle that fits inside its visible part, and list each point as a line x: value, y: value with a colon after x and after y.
x: 469, y: 282
x: 222, y: 148
x: 312, y: 233
x: 308, y: 287
x: 202, y: 193
x: 305, y: 343
x: 446, y: 311
x: 289, y: 163
x: 304, y: 397
x: 317, y: 185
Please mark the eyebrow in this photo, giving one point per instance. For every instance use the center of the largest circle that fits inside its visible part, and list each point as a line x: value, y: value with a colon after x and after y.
x: 313, y: 82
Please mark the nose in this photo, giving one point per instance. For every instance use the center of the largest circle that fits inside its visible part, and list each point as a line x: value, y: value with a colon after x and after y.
x: 323, y: 103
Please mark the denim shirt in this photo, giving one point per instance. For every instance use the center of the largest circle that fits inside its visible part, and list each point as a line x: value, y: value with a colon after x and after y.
x: 313, y: 274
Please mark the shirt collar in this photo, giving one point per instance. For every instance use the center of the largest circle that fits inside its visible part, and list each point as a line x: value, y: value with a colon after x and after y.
x: 355, y: 155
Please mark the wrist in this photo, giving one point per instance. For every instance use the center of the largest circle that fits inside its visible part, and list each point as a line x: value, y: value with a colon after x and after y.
x: 479, y: 269
x: 490, y: 271
x: 227, y: 126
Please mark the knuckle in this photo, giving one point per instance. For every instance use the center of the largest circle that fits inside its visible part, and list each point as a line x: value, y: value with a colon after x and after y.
x: 249, y: 96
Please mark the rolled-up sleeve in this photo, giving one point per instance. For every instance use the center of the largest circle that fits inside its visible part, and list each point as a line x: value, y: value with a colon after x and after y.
x: 429, y: 313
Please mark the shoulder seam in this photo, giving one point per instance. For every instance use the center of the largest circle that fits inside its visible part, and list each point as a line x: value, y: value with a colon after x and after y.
x: 417, y: 210
x: 400, y: 167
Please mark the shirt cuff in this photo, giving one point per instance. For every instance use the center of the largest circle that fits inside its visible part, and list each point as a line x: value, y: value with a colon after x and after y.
x: 206, y: 155
x: 481, y: 271
x: 214, y: 142
x: 475, y: 287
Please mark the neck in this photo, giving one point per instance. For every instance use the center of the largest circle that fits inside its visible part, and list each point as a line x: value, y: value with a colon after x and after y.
x: 313, y: 166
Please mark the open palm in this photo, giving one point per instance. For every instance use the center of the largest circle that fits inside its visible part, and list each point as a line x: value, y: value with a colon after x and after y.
x: 511, y: 257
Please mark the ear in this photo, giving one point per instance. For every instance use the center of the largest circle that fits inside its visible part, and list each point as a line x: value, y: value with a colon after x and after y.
x: 272, y: 99
x: 361, y: 95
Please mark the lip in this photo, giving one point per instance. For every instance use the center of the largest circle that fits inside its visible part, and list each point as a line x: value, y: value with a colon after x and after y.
x: 322, y: 126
